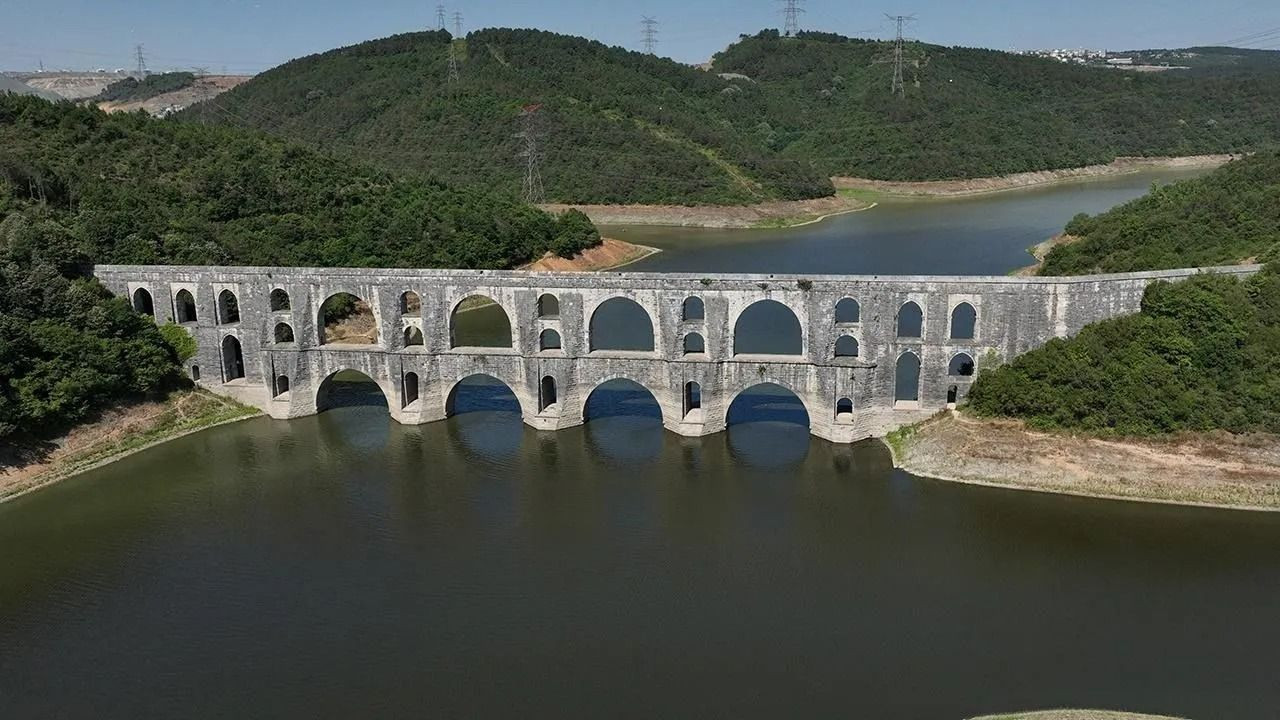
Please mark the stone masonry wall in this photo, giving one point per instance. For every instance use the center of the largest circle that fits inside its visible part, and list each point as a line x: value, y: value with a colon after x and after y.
x: 1014, y: 315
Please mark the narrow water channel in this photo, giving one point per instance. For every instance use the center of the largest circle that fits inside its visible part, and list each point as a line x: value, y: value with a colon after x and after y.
x: 344, y: 566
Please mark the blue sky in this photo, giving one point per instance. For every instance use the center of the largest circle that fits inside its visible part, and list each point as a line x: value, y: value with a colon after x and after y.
x: 251, y: 35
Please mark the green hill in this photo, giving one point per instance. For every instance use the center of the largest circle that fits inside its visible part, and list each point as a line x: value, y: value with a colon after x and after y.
x: 135, y: 190
x: 616, y: 126
x: 1231, y: 215
x: 80, y: 186
x: 978, y: 113
x: 775, y: 119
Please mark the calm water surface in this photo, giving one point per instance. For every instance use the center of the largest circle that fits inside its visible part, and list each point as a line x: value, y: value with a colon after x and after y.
x: 344, y: 566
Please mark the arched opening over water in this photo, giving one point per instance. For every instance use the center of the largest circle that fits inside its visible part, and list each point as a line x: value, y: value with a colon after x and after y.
x: 184, y: 307
x: 232, y: 359
x: 847, y: 347
x: 964, y: 322
x: 768, y: 327
x: 767, y: 402
x: 961, y: 365
x: 409, y: 388
x: 694, y: 344
x: 281, y: 385
x: 910, y: 321
x: 481, y: 393
x: 410, y: 303
x: 621, y: 324
x: 621, y: 397
x: 693, y: 309
x: 548, y: 306
x: 347, y: 320
x: 478, y: 321
x: 143, y: 303
x: 549, y: 340
x: 283, y: 333
x: 907, y: 378
x: 547, y: 393
x: 349, y: 389
x: 280, y: 300
x: 228, y: 308
x: 413, y: 337
x: 848, y: 312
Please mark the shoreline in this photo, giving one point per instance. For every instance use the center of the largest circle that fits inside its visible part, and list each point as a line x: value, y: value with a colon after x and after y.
x: 610, y: 254
x: 859, y: 194
x: 97, y: 454
x: 1200, y: 471
x: 779, y: 214
x: 969, y: 187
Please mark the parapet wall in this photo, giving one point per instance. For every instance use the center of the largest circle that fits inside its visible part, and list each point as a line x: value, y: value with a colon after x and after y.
x: 1014, y: 315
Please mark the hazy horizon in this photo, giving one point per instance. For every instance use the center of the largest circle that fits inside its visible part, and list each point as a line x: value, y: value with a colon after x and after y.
x: 244, y: 36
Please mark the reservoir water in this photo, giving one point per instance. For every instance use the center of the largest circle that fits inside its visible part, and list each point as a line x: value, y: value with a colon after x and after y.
x: 344, y: 566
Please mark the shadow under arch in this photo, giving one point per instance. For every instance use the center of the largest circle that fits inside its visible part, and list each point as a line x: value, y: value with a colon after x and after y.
x: 354, y: 410
x: 624, y: 421
x: 768, y: 427
x: 350, y: 388
x: 767, y: 327
x: 481, y: 392
x: 485, y: 417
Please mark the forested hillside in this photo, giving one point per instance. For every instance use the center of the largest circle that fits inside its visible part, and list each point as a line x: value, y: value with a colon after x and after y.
x: 774, y: 119
x: 1230, y: 216
x: 1203, y: 354
x: 79, y: 186
x: 615, y: 126
x: 979, y: 113
x: 132, y: 90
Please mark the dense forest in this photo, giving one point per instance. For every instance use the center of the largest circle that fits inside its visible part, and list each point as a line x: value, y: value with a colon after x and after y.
x: 132, y: 90
x: 79, y: 186
x: 774, y: 118
x: 976, y: 113
x: 613, y: 126
x: 1230, y: 216
x: 1203, y: 354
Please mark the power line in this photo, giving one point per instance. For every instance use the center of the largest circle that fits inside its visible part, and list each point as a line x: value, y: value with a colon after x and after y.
x: 791, y: 12
x: 649, y: 33
x: 530, y: 132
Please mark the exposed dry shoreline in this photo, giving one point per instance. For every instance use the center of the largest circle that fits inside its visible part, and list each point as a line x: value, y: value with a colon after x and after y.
x: 1203, y: 469
x: 980, y: 186
x: 1041, y: 251
x: 117, y: 434
x: 610, y: 254
x: 780, y: 213
x: 1075, y: 715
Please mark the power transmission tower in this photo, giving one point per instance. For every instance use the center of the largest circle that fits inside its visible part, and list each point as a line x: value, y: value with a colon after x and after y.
x: 649, y: 32
x: 203, y: 92
x: 440, y: 22
x: 457, y: 25
x: 141, y: 60
x: 453, y: 46
x: 791, y: 12
x: 898, y: 56
x: 530, y: 134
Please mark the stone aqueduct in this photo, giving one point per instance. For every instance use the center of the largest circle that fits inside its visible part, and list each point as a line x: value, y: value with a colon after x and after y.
x: 875, y: 352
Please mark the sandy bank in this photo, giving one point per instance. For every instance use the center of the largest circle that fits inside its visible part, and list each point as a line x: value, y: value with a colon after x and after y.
x: 115, y: 435
x: 781, y: 213
x: 978, y: 186
x: 1041, y: 251
x: 609, y: 254
x: 1211, y: 469
x: 1074, y: 715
